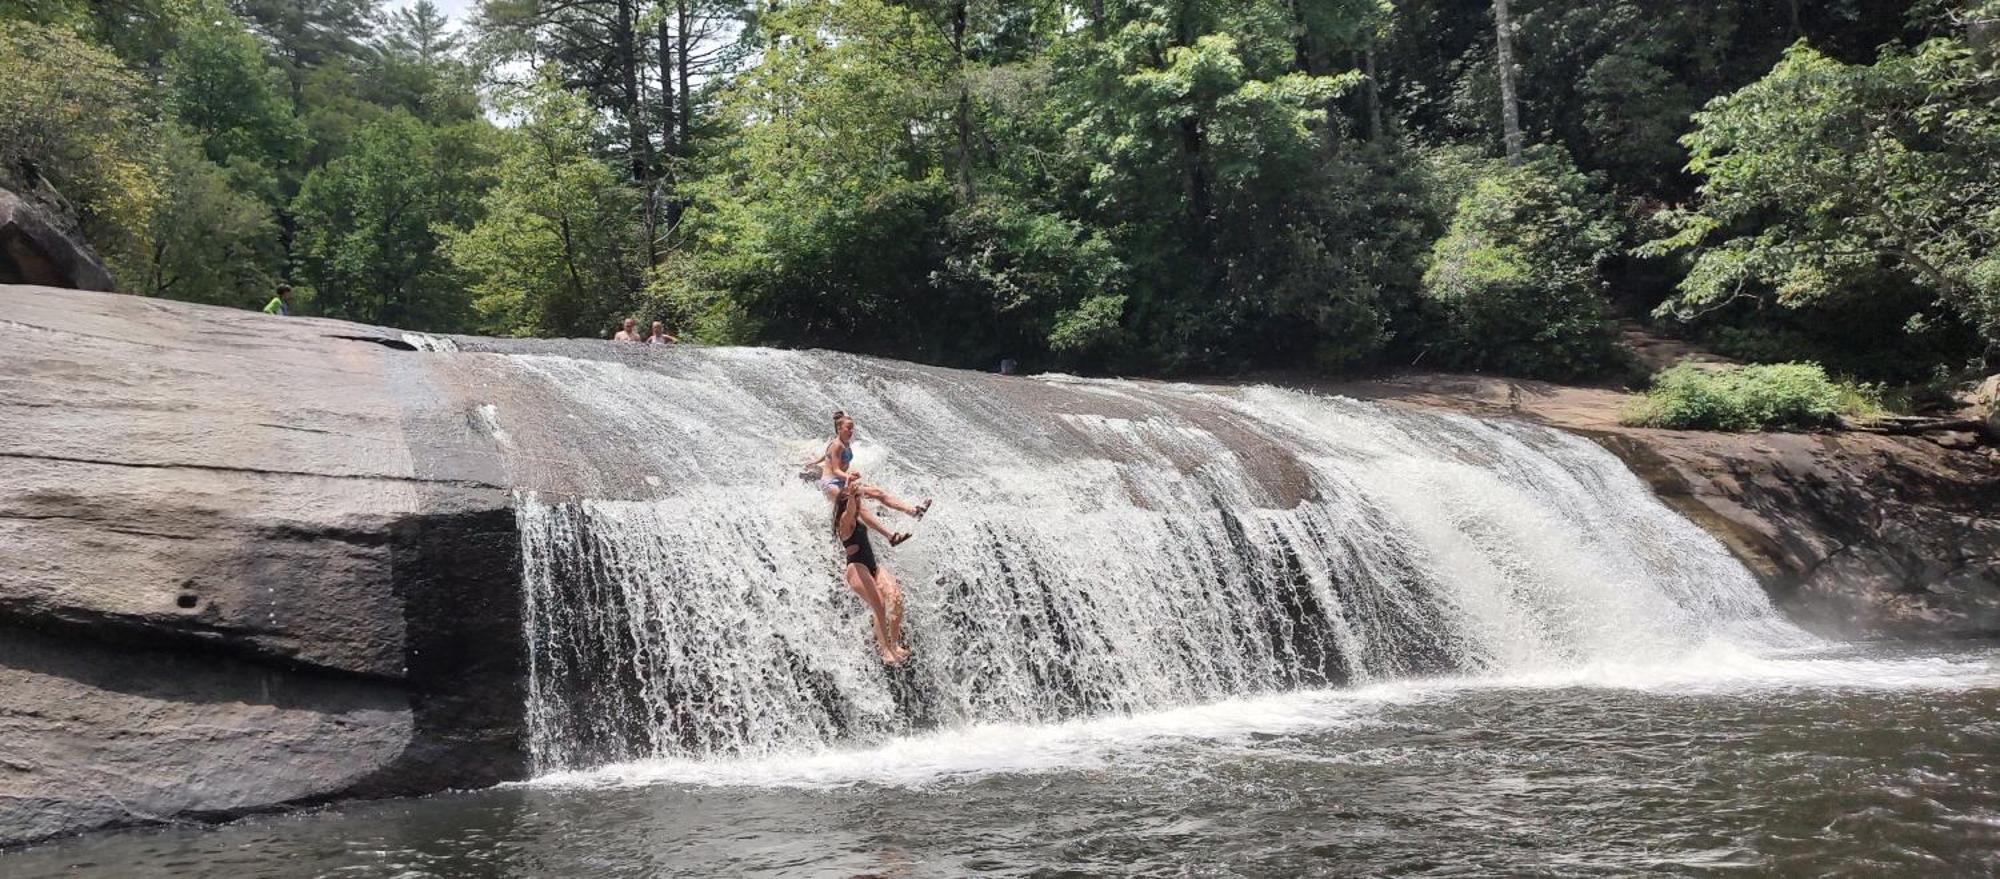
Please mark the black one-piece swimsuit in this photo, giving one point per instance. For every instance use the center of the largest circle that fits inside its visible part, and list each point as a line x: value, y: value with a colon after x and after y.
x: 859, y: 550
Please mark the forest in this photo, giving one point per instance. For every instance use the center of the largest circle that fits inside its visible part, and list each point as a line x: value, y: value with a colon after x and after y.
x: 1163, y: 187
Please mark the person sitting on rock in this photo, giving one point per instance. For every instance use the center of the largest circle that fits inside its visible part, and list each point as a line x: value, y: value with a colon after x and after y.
x: 627, y: 331
x: 281, y: 304
x: 660, y: 336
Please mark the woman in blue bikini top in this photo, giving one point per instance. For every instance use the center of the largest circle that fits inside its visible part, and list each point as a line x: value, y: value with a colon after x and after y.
x: 837, y: 471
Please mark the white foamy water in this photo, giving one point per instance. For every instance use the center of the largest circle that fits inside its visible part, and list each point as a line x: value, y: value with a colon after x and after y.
x: 1717, y: 670
x: 1098, y: 549
x: 433, y: 344
x: 990, y: 749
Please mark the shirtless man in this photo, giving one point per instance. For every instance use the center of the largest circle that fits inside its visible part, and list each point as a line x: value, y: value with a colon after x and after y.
x: 627, y: 332
x: 836, y: 473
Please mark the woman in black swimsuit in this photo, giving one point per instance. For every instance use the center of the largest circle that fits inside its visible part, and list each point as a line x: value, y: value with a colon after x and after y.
x: 867, y: 576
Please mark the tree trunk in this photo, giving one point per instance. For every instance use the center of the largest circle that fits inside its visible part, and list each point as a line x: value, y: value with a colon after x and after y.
x: 1301, y: 49
x: 683, y: 23
x: 1510, y: 107
x: 958, y: 22
x: 670, y: 141
x: 1194, y: 140
x: 625, y: 46
x: 1372, y: 92
x: 1193, y: 149
x: 672, y: 138
x: 639, y: 151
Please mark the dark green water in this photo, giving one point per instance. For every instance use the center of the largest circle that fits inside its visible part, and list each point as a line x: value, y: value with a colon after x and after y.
x: 1837, y: 764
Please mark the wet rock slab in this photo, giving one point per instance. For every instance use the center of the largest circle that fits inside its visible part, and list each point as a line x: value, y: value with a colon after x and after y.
x: 226, y: 583
x: 1853, y: 534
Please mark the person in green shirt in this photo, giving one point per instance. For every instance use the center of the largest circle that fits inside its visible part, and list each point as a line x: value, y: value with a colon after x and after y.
x: 281, y: 304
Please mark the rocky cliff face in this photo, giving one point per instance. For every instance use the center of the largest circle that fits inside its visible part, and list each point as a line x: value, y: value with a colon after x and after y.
x: 1853, y: 534
x: 233, y: 574
x: 35, y: 249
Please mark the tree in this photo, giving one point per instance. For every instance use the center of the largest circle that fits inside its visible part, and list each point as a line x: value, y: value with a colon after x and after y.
x: 211, y: 242
x: 960, y: 183
x: 309, y: 34
x: 645, y: 65
x: 419, y: 65
x: 1516, y: 276
x: 817, y: 216
x: 553, y: 252
x: 1613, y: 81
x: 1826, y: 181
x: 1243, y: 218
x: 370, y: 223
x: 222, y: 90
x: 74, y: 132
x: 1510, y: 103
x: 420, y: 33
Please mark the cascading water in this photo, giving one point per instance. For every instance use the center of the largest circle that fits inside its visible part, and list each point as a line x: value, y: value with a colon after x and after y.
x: 1096, y: 547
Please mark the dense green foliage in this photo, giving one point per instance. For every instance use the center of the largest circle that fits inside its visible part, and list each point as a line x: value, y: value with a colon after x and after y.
x: 369, y: 222
x: 1826, y: 183
x: 1767, y: 397
x: 553, y: 251
x: 73, y: 124
x: 1516, y: 275
x: 1106, y: 185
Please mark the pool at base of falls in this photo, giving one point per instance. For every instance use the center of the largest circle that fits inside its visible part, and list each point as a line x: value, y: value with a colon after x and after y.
x: 1824, y: 760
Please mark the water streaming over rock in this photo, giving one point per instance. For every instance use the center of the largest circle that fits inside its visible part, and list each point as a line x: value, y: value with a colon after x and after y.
x: 1096, y: 547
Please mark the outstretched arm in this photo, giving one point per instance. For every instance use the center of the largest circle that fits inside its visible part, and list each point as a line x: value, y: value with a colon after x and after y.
x: 850, y: 508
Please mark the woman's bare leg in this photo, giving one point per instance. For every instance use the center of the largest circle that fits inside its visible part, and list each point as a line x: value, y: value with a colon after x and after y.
x: 891, y: 501
x: 874, y: 524
x: 890, y: 593
x: 865, y: 586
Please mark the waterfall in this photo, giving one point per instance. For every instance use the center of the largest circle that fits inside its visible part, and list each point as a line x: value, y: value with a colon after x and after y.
x: 1096, y: 547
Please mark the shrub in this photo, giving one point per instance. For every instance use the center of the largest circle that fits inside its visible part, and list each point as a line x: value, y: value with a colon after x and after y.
x: 76, y: 130
x: 1827, y: 180
x: 1773, y: 397
x: 1516, y: 278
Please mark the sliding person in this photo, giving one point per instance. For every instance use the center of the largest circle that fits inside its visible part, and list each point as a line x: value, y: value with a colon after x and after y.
x: 866, y: 575
x: 836, y: 471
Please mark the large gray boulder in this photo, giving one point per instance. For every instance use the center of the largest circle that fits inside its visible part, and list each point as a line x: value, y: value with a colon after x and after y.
x: 34, y: 249
x: 245, y: 561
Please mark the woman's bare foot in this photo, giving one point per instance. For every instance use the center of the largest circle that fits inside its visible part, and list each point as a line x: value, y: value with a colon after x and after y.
x: 898, y: 538
x: 892, y: 658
